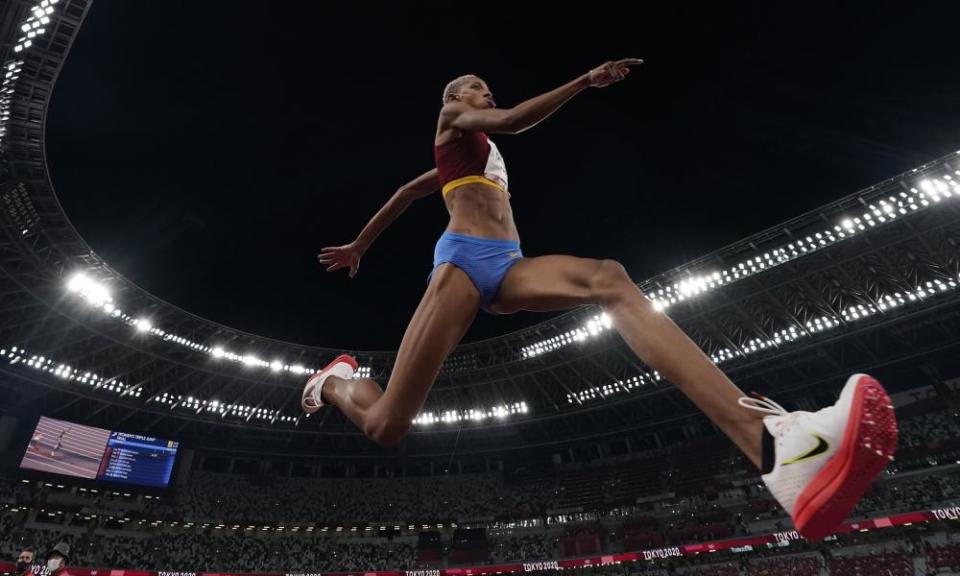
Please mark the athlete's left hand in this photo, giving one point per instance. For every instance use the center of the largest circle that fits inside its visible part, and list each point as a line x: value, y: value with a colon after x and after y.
x: 346, y: 256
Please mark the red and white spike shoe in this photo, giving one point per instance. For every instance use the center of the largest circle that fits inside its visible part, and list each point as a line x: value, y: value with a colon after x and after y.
x: 343, y: 366
x: 826, y: 460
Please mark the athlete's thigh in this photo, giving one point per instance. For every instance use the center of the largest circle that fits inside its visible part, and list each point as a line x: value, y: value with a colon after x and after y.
x: 445, y: 313
x: 547, y: 283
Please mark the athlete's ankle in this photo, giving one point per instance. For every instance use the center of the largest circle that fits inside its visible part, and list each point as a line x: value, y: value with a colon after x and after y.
x: 768, y: 453
x: 330, y: 390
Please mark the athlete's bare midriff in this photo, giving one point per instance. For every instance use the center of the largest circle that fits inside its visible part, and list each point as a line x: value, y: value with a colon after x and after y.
x: 481, y: 210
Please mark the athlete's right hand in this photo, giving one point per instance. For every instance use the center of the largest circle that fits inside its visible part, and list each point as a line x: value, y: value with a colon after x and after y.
x: 612, y: 71
x: 337, y: 257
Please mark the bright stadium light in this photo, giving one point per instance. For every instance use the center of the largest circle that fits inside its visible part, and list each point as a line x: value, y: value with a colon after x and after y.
x: 143, y: 325
x: 18, y: 355
x: 927, y: 192
x: 95, y: 293
x: 499, y: 412
x: 77, y: 281
x: 784, y: 337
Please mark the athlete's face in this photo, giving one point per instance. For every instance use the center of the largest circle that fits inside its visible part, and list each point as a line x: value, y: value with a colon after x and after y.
x: 477, y: 94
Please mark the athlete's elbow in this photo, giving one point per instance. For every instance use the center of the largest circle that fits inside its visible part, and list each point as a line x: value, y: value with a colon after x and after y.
x: 404, y: 196
x: 511, y: 123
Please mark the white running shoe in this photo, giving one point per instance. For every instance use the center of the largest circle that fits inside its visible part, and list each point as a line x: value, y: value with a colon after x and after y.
x: 343, y: 366
x: 826, y: 460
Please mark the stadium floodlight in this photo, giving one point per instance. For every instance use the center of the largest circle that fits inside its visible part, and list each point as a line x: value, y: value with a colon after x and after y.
x: 499, y: 412
x: 97, y: 294
x: 786, y: 336
x: 77, y: 281
x: 18, y: 355
x: 92, y: 291
x: 927, y: 192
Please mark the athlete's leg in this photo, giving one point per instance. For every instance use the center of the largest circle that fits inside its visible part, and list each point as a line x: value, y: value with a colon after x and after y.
x: 561, y: 282
x: 445, y: 313
x: 818, y: 464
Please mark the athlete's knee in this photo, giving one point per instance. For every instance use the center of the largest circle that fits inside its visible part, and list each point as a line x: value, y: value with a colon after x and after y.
x: 610, y: 282
x: 387, y: 431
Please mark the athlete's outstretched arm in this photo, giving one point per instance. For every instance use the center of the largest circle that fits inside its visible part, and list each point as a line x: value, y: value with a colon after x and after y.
x: 348, y: 255
x: 531, y: 112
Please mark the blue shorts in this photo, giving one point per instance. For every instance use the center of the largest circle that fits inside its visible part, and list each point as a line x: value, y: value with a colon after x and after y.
x: 485, y: 260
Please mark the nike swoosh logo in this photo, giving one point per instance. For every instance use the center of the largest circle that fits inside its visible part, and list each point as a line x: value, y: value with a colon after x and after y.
x: 821, y: 447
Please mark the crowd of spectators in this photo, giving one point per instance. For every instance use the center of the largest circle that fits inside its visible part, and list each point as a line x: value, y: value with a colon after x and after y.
x: 231, y: 522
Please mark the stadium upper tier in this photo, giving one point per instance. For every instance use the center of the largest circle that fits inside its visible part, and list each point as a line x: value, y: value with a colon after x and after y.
x: 764, y: 307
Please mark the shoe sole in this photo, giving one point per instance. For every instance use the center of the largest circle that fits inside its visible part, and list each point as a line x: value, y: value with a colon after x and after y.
x: 345, y: 358
x: 869, y: 442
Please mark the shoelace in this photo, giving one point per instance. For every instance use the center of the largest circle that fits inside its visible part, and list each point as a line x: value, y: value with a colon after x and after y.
x: 762, y: 404
x: 767, y: 406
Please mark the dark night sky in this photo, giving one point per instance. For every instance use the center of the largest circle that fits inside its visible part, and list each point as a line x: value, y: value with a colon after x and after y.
x: 207, y: 150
